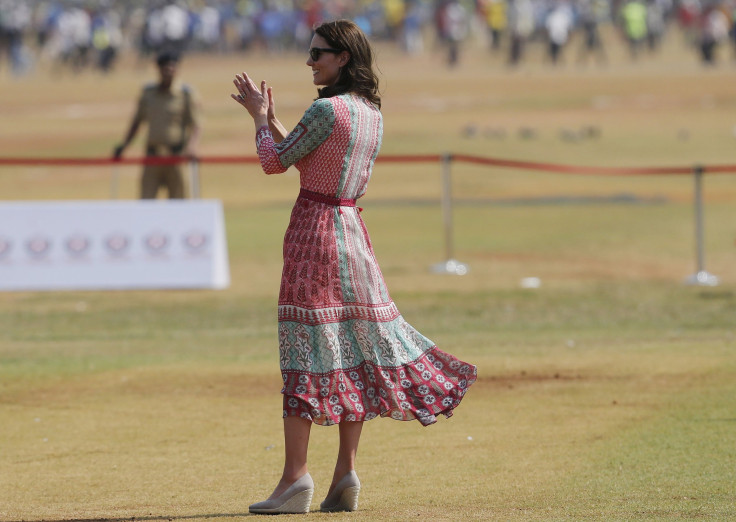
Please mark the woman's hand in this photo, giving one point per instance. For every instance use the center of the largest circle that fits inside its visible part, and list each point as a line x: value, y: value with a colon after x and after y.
x: 271, y: 105
x: 255, y: 101
x: 278, y: 131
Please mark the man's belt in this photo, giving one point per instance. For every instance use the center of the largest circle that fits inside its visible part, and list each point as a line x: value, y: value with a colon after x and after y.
x: 164, y: 150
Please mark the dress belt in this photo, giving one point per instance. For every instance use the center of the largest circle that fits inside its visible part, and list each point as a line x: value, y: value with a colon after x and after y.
x: 329, y: 200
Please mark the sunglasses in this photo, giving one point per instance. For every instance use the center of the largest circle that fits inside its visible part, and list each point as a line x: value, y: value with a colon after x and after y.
x: 316, y: 52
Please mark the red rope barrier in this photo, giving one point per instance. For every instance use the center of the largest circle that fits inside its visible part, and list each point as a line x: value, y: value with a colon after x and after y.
x: 91, y: 162
x: 573, y: 169
x: 171, y: 160
x: 415, y: 158
x: 386, y: 158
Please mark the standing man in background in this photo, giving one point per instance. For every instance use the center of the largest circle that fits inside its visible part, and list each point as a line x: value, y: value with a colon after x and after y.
x: 173, y: 129
x: 634, y: 19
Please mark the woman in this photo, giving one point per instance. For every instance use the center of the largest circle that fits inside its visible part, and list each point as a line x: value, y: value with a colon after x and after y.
x: 346, y: 354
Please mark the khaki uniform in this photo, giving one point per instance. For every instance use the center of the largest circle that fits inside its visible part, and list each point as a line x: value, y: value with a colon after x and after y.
x: 170, y: 117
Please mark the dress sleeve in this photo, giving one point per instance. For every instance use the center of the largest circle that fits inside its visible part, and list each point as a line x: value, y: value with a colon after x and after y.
x: 313, y: 129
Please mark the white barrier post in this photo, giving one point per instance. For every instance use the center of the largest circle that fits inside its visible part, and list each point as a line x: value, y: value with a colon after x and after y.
x: 194, y: 178
x: 114, y: 181
x: 451, y: 265
x: 702, y: 277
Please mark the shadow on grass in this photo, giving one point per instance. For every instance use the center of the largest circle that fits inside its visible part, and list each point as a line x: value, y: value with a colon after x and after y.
x: 726, y: 294
x: 146, y: 518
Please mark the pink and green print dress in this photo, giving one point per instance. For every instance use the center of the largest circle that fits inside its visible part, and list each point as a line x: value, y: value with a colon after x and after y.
x: 346, y: 352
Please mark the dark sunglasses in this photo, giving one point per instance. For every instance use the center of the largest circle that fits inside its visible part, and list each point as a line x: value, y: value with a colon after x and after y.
x: 316, y: 52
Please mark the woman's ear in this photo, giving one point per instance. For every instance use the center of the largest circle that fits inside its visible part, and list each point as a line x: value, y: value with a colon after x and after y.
x: 344, y: 58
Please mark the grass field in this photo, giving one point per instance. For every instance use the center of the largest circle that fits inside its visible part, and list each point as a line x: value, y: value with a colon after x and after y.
x: 605, y: 394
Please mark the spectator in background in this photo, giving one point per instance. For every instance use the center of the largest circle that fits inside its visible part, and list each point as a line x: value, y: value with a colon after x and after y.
x: 106, y: 38
x: 521, y: 27
x: 452, y: 27
x: 590, y: 14
x: 80, y: 34
x: 714, y: 27
x: 688, y: 12
x: 414, y: 19
x: 558, y: 23
x: 75, y: 27
x: 656, y: 23
x: 67, y: 37
x: 495, y: 14
x: 173, y: 129
x: 15, y: 18
x: 208, y: 29
x: 394, y: 12
x: 634, y: 21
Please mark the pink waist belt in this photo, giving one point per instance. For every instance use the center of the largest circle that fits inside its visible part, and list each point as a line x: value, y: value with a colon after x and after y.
x: 329, y: 200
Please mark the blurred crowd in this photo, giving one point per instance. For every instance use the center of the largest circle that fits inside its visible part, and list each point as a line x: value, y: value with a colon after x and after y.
x: 84, y: 34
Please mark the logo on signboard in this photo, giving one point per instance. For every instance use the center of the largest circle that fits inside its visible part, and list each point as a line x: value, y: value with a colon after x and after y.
x: 38, y: 247
x: 5, y: 247
x: 156, y: 243
x: 195, y: 241
x: 77, y: 245
x: 117, y: 244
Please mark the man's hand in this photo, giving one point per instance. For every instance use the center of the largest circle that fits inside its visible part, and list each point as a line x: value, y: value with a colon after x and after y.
x: 117, y: 152
x: 191, y: 153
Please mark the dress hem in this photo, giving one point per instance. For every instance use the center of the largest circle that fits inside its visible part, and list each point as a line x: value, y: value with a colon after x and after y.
x: 433, y: 384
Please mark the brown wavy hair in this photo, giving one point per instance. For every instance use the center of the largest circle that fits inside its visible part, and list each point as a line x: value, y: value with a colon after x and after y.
x: 357, y: 76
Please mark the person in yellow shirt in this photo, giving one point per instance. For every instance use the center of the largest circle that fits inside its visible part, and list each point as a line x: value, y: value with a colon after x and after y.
x: 496, y: 18
x: 634, y: 18
x: 170, y: 111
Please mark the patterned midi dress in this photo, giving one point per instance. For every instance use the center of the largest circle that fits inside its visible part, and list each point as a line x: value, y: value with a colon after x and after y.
x: 346, y: 353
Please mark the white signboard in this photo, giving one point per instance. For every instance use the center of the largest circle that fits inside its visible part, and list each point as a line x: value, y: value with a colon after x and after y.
x: 86, y: 245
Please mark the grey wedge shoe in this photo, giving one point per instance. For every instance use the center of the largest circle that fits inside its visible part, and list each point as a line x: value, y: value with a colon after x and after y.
x: 345, y: 495
x: 296, y: 499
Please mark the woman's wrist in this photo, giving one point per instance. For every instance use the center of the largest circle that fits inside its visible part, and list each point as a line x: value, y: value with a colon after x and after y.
x: 260, y: 121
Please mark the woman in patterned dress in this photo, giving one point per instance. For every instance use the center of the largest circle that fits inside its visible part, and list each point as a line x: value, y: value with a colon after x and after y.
x: 346, y: 353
